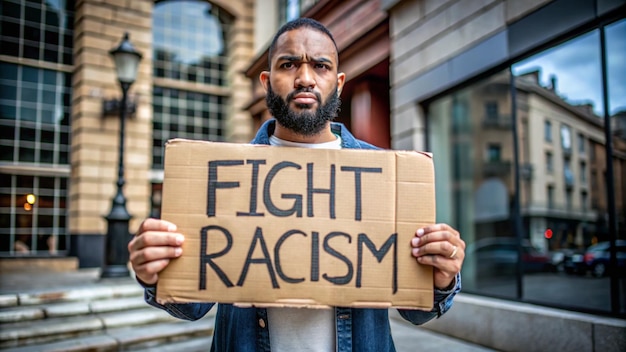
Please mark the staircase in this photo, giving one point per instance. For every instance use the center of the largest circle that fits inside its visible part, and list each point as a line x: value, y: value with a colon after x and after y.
x: 64, y: 313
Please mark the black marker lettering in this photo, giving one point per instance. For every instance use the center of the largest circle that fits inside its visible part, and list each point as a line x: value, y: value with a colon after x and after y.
x: 338, y: 280
x: 379, y: 255
x: 258, y: 236
x: 254, y: 187
x: 310, y: 190
x: 357, y: 185
x: 214, y: 184
x: 279, y: 268
x: 267, y: 199
x: 207, y: 259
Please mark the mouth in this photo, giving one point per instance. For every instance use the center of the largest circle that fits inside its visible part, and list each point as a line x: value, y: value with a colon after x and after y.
x: 305, y: 99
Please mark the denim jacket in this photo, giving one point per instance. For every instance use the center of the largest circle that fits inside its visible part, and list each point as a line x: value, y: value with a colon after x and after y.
x: 246, y: 329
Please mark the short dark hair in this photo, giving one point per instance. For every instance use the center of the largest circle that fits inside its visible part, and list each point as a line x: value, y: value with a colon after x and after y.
x: 295, y: 24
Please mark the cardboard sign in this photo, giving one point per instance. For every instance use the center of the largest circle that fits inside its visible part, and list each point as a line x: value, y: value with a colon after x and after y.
x: 279, y: 226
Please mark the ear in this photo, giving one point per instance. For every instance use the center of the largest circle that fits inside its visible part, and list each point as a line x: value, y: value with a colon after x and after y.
x: 264, y: 78
x: 341, y: 79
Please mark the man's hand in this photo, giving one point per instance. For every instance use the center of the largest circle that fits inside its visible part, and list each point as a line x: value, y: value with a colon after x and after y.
x: 152, y: 248
x: 440, y: 246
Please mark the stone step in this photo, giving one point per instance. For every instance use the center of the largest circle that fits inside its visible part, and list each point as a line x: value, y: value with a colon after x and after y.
x: 171, y: 336
x: 90, y: 293
x: 55, y: 310
x: 198, y: 344
x: 125, y: 288
x: 48, y: 330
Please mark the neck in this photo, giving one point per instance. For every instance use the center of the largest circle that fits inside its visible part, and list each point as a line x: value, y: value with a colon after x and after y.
x: 326, y: 135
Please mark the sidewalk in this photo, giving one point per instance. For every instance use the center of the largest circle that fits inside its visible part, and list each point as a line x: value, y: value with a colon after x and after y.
x: 407, y: 337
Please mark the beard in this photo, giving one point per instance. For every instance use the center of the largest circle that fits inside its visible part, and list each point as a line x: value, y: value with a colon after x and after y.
x: 307, y: 122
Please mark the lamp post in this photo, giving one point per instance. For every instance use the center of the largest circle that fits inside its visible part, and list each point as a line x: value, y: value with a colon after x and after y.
x: 116, y: 252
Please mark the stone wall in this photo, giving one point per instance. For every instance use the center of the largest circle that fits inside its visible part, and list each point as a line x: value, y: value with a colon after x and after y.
x: 426, y: 33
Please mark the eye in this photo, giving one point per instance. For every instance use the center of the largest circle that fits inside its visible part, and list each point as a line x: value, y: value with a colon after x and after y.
x: 322, y: 66
x: 287, y: 65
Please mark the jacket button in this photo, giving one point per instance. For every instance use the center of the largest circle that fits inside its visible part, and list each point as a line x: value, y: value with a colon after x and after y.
x: 262, y: 323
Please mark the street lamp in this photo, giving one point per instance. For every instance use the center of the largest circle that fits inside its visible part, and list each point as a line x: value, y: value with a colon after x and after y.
x: 116, y: 252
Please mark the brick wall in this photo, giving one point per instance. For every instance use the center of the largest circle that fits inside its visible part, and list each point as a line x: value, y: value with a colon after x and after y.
x: 99, y: 27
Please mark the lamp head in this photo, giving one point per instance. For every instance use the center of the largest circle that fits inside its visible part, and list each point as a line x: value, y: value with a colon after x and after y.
x: 126, y: 59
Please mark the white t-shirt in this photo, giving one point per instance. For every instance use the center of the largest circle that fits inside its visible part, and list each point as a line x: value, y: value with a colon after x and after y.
x: 301, y: 329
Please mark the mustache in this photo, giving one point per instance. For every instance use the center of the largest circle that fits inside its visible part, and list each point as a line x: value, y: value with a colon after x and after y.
x: 293, y: 94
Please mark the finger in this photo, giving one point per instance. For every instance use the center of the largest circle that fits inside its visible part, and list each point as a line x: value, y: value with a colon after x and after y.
x: 444, y: 235
x: 449, y: 266
x: 151, y: 224
x: 153, y: 238
x: 152, y: 254
x: 148, y: 273
x: 442, y: 248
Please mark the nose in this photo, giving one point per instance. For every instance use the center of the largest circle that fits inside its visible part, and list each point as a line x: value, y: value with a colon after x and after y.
x: 305, y: 76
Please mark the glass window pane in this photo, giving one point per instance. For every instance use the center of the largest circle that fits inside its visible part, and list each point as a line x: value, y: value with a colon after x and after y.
x: 8, y: 71
x: 10, y: 9
x: 8, y: 92
x: 8, y: 112
x: 27, y: 154
x: 476, y: 189
x: 570, y: 215
x: 8, y: 47
x: 30, y: 74
x: 6, y: 152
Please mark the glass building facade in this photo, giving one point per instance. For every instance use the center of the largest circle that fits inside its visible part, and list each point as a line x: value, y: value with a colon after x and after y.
x: 36, y: 43
x: 533, y: 173
x: 191, y: 93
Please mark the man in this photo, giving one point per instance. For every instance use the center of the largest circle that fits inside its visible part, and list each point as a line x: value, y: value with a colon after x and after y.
x: 303, y: 87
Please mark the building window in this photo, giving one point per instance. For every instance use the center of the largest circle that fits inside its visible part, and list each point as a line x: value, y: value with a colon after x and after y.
x: 566, y: 139
x: 38, y: 30
x: 581, y: 143
x: 550, y: 196
x: 33, y: 214
x: 549, y: 162
x: 568, y: 199
x: 184, y: 114
x: 583, y: 172
x: 35, y: 112
x: 190, y: 42
x: 291, y: 9
x: 568, y: 173
x: 583, y: 201
x: 547, y: 131
x: 190, y: 45
x: 34, y: 115
x: 494, y: 152
x: 491, y: 111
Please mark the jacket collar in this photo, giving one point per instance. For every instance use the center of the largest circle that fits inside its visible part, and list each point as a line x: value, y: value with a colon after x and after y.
x: 267, y: 129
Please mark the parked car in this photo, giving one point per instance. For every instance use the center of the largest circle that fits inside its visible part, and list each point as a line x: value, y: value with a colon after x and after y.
x: 497, y: 256
x: 595, y: 259
x: 558, y: 258
x: 573, y: 262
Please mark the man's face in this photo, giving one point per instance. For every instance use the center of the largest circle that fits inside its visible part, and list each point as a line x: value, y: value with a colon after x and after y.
x: 303, y: 85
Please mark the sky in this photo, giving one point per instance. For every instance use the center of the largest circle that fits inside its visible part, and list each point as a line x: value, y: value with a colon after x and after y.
x: 576, y: 66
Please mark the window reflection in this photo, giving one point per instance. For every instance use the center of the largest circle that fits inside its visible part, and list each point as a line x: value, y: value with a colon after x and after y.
x: 562, y: 173
x: 563, y: 87
x: 189, y: 42
x: 472, y: 127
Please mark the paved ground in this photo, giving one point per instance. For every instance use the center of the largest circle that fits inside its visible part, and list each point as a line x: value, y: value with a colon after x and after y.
x: 408, y: 338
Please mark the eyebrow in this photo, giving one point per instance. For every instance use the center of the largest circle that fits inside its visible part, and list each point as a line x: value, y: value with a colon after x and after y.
x: 299, y: 58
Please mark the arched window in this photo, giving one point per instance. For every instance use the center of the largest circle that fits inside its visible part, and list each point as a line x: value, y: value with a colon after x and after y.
x: 191, y: 93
